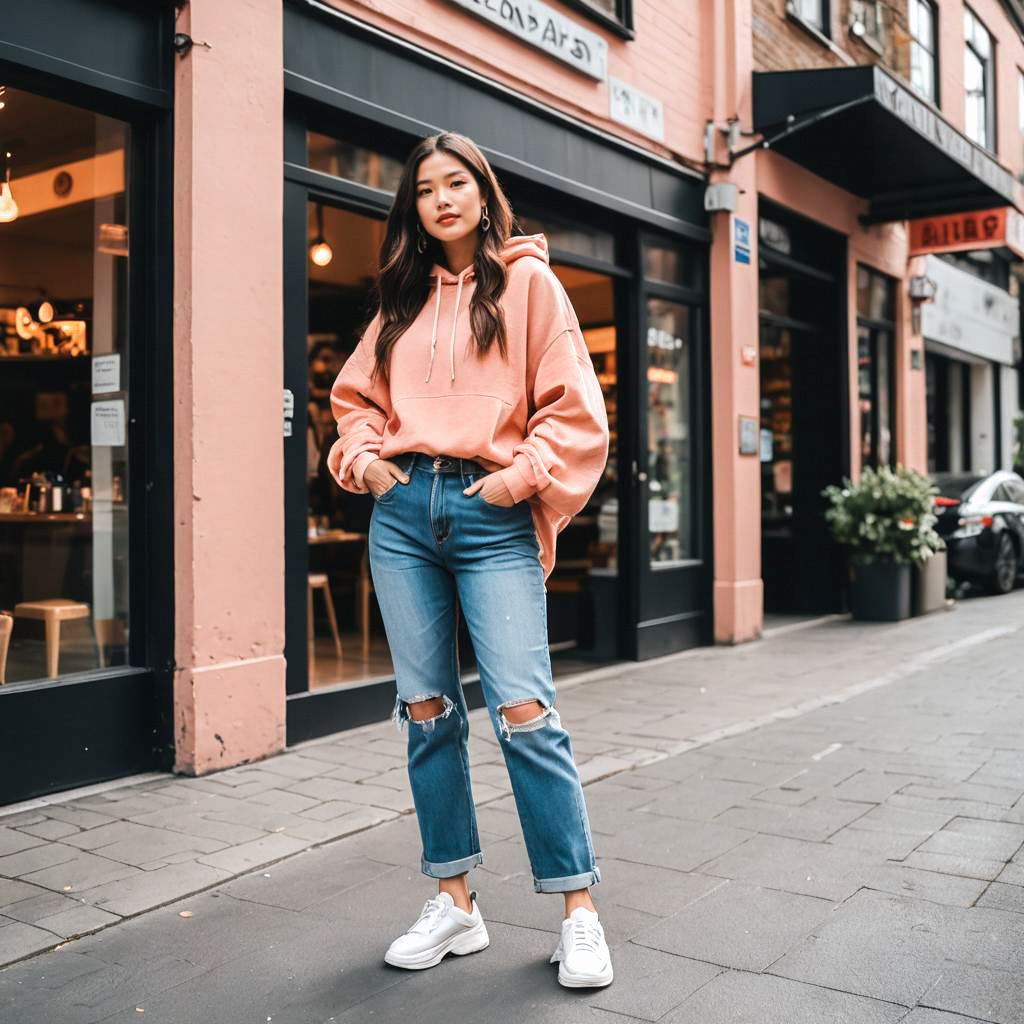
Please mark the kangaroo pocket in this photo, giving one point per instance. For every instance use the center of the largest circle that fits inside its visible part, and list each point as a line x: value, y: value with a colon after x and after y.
x: 458, y: 424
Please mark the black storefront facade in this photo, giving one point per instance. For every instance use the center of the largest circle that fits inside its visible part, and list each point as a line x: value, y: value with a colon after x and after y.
x: 85, y: 286
x: 840, y: 345
x: 628, y: 237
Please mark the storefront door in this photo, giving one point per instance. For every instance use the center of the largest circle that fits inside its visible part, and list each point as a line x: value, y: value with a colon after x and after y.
x: 336, y: 649
x: 671, y: 542
x: 803, y: 410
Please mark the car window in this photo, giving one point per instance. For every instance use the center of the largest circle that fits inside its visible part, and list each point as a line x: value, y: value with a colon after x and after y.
x: 959, y: 486
x: 1015, y: 491
x: 1001, y: 493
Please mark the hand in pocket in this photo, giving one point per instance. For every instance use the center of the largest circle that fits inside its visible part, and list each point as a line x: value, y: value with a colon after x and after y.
x: 492, y: 489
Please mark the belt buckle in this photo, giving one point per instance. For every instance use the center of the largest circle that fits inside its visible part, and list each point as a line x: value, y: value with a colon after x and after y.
x: 438, y: 463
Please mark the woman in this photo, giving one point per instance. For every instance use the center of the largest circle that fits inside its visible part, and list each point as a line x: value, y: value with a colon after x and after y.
x: 476, y: 457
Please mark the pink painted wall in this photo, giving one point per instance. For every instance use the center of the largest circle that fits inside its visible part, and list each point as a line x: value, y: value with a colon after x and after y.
x: 735, y: 384
x: 667, y: 59
x: 229, y: 698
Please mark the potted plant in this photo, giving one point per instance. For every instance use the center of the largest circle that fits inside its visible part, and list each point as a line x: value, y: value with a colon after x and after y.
x: 886, y: 521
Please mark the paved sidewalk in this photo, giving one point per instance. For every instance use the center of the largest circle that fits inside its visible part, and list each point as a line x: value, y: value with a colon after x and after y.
x: 844, y: 845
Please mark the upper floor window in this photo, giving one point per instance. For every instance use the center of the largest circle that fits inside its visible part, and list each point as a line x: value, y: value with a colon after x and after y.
x: 813, y: 12
x: 614, y: 14
x: 921, y: 19
x: 979, y: 81
x: 1020, y: 102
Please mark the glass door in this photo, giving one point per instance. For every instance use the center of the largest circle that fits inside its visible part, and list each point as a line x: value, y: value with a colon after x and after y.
x: 669, y: 470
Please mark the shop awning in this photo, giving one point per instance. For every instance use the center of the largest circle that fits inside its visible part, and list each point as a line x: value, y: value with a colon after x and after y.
x: 864, y: 131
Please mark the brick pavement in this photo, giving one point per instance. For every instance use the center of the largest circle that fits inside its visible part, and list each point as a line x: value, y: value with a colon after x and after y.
x: 828, y: 824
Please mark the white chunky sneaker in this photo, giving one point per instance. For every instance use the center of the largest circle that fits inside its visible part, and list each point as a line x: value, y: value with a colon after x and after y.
x: 441, y: 928
x: 582, y: 953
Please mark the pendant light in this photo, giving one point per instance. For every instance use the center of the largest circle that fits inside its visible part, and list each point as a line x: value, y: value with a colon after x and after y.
x: 320, y: 252
x: 8, y: 207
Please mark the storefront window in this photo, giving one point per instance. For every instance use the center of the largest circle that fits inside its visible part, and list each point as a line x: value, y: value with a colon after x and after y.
x: 344, y: 159
x: 776, y: 439
x: 346, y: 642
x: 570, y: 236
x: 671, y: 264
x: 670, y: 459
x: 64, y: 401
x: 876, y: 297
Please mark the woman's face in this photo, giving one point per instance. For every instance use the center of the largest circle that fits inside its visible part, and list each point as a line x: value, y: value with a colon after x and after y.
x: 446, y: 189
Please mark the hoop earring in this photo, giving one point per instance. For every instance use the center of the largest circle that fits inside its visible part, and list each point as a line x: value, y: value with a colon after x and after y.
x: 421, y: 240
x: 485, y: 221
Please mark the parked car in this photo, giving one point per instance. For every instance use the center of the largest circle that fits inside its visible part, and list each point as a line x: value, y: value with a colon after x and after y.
x: 981, y: 519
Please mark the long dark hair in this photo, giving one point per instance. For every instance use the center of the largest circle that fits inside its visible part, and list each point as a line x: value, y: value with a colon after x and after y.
x: 403, y: 282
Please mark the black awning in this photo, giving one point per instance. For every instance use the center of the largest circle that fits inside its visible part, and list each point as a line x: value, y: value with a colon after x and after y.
x: 862, y: 130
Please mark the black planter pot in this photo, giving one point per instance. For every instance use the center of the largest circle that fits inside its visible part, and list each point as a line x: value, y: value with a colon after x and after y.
x: 880, y: 592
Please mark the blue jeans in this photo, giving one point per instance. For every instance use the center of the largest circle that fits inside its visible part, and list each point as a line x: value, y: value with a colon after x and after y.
x: 428, y: 543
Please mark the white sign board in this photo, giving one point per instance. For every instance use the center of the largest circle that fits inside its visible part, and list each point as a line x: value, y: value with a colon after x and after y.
x: 969, y: 314
x: 106, y: 374
x: 547, y: 29
x: 662, y: 515
x: 107, y: 424
x: 636, y: 110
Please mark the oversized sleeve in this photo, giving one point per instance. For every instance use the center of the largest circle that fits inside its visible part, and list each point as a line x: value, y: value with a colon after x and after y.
x: 565, y: 449
x: 362, y: 407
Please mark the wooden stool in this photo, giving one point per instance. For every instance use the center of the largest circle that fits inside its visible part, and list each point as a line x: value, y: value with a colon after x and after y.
x: 318, y: 581
x: 6, y: 625
x: 53, y: 611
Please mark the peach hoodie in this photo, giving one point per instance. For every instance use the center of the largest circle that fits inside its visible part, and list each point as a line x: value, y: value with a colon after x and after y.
x: 539, y: 418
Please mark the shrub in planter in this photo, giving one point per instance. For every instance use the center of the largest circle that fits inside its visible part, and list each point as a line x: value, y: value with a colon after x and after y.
x: 886, y: 523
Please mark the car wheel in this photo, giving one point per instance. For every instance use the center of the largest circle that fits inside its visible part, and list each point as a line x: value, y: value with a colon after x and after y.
x: 1004, y: 568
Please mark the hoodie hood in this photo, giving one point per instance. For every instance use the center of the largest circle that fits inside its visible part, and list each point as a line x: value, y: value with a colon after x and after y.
x: 516, y: 247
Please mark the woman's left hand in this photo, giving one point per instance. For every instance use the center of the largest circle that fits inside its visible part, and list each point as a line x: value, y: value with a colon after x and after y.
x: 492, y: 489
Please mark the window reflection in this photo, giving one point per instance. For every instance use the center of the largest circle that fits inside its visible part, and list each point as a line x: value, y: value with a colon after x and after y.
x: 64, y: 401
x: 348, y: 160
x: 776, y: 442
x: 669, y: 470
x: 573, y: 237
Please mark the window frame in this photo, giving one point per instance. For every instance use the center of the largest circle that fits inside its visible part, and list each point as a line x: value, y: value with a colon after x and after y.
x: 1020, y: 103
x: 824, y: 29
x: 932, y: 51
x: 879, y: 332
x: 989, y: 64
x: 621, y: 23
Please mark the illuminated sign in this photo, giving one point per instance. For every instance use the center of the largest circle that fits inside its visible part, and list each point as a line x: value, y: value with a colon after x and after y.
x: 977, y: 229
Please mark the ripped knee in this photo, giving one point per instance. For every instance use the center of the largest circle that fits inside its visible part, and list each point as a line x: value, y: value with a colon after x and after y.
x: 525, y: 715
x: 424, y: 710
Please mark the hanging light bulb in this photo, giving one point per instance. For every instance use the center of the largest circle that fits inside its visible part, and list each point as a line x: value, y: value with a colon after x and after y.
x: 8, y: 207
x: 320, y: 252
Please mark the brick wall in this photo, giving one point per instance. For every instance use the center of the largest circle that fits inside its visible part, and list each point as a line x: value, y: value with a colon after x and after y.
x: 782, y: 43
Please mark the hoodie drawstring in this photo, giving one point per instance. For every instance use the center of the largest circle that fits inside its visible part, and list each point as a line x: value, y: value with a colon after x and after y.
x: 433, y: 330
x: 455, y: 318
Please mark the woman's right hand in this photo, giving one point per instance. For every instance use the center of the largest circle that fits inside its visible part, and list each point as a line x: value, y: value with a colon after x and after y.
x: 380, y: 476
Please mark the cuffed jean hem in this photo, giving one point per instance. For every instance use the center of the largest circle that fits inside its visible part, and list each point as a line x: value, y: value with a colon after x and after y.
x: 452, y: 867
x: 568, y: 883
